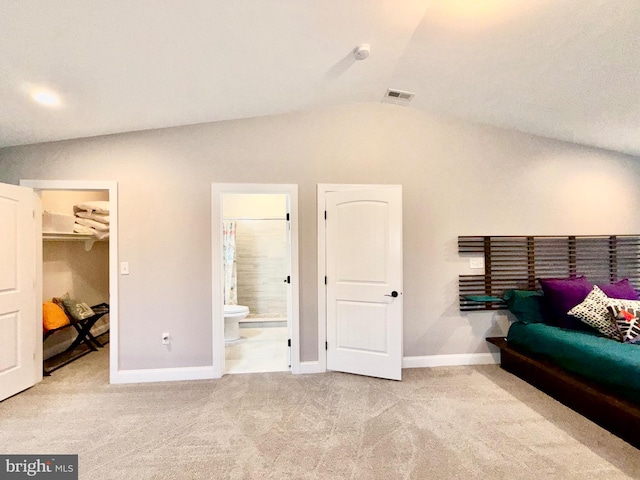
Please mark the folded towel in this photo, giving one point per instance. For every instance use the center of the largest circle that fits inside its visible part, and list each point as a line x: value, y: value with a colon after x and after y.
x: 101, y: 227
x: 98, y: 217
x: 96, y: 206
x: 83, y: 230
x: 100, y: 235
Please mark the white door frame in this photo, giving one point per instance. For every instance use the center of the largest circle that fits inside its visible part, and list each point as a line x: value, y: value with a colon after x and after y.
x: 112, y: 188
x: 323, y: 189
x: 217, y: 273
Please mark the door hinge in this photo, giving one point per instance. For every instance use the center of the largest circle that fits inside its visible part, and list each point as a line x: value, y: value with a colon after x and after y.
x: 287, y: 217
x: 326, y: 345
x: 288, y: 279
x: 325, y: 214
x: 288, y: 342
x: 33, y: 214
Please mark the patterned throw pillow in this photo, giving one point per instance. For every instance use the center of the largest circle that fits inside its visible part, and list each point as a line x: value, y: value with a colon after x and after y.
x: 593, y: 311
x: 75, y: 309
x: 627, y: 320
x: 78, y: 310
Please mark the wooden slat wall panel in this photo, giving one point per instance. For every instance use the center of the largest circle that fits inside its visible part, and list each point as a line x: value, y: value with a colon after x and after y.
x: 516, y: 262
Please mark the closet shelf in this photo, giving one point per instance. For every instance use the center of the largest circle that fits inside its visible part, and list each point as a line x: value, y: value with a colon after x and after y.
x: 88, y: 240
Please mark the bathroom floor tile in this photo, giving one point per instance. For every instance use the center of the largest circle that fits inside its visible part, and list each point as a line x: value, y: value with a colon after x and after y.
x: 259, y: 350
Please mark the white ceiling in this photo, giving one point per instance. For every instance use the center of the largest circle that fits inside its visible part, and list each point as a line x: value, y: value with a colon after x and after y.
x: 565, y: 69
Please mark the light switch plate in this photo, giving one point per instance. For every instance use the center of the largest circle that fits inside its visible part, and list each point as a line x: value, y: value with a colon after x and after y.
x: 124, y: 268
x: 476, y: 262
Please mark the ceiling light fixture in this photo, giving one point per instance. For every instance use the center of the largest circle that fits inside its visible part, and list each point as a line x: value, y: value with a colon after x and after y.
x: 45, y: 98
x: 362, y: 51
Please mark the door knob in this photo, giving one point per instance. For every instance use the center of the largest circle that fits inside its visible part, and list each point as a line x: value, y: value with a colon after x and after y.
x: 394, y: 294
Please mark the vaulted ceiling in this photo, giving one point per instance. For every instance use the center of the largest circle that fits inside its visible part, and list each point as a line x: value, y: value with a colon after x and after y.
x: 567, y: 69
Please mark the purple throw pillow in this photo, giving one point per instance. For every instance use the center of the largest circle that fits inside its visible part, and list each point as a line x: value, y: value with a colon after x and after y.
x: 560, y: 296
x: 622, y: 290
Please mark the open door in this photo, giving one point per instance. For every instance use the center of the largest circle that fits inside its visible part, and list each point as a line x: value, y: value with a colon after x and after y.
x: 363, y: 230
x: 20, y: 338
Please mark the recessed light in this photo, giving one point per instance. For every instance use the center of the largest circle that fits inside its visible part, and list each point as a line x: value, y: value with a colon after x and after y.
x: 48, y: 99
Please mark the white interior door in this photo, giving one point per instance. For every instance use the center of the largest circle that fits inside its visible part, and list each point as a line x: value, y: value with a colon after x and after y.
x: 364, y: 281
x: 20, y: 338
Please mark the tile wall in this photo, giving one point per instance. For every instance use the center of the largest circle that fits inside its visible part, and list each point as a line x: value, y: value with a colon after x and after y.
x: 261, y: 252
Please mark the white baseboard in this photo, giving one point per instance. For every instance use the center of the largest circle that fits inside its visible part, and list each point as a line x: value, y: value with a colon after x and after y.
x: 187, y: 373
x: 309, y: 367
x: 451, y: 360
x: 205, y: 373
x: 162, y: 375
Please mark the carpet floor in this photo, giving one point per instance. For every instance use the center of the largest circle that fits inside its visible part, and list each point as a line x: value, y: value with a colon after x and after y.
x: 474, y: 422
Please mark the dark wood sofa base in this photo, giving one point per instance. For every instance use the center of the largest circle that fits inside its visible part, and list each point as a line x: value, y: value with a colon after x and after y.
x: 621, y: 417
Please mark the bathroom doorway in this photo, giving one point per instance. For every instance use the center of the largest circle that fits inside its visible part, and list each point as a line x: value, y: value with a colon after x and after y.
x: 255, y: 280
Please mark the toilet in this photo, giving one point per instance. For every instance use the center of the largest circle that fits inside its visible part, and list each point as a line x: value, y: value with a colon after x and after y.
x: 232, y: 315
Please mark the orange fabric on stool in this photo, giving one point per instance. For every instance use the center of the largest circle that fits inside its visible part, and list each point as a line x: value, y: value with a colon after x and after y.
x: 53, y: 316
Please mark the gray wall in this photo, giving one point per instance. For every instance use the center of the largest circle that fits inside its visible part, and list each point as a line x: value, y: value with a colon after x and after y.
x: 458, y: 179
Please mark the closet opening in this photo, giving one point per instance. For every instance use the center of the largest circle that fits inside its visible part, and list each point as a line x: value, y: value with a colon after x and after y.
x: 255, y: 278
x: 78, y: 283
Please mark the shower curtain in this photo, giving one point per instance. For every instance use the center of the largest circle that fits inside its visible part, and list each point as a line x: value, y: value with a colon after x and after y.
x: 229, y: 261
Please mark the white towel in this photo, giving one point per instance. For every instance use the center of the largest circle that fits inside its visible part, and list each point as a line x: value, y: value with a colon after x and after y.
x: 98, y: 217
x: 100, y: 235
x: 96, y: 206
x: 100, y: 227
x: 83, y: 230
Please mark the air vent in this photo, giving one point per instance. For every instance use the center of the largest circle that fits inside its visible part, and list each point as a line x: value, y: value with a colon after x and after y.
x: 400, y: 95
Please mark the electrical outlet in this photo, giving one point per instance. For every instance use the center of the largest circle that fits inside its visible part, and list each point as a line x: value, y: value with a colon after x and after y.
x: 166, y: 339
x: 476, y: 262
